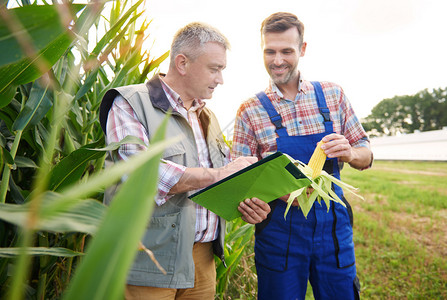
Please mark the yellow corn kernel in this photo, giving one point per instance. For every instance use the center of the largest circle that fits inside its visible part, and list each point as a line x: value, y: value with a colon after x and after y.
x: 317, y: 160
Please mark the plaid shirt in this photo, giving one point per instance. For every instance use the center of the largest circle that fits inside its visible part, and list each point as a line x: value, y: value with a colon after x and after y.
x: 122, y: 121
x: 254, y: 133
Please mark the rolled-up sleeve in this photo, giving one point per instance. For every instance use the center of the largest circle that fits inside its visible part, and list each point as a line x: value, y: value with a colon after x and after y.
x: 351, y: 127
x: 244, y: 142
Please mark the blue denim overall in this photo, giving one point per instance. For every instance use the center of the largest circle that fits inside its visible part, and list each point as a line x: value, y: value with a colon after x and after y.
x: 320, y: 248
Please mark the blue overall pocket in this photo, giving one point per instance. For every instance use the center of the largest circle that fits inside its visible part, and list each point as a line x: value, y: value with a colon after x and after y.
x: 342, y: 235
x: 272, y: 242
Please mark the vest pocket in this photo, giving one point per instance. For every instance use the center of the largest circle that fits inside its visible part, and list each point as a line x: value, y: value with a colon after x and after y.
x: 161, y: 238
x: 175, y: 153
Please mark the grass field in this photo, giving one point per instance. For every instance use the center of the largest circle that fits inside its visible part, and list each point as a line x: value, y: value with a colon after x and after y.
x: 400, y: 233
x: 400, y: 229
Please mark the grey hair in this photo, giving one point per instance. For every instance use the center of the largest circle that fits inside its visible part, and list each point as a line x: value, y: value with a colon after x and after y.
x: 190, y: 40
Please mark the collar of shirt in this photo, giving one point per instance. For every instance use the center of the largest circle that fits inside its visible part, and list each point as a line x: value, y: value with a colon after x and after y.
x: 177, y: 103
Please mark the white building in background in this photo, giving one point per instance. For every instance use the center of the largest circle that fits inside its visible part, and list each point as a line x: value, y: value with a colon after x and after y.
x: 427, y: 145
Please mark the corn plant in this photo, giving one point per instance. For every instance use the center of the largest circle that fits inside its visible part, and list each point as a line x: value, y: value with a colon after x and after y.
x: 52, y: 152
x: 57, y: 62
x: 238, y: 236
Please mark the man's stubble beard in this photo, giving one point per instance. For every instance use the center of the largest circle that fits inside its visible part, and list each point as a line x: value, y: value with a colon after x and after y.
x: 283, y: 79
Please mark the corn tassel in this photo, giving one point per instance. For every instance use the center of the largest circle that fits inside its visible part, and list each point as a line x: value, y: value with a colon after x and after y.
x: 317, y: 160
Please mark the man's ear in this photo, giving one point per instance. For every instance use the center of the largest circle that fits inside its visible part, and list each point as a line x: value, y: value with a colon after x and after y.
x: 303, y: 49
x: 181, y: 62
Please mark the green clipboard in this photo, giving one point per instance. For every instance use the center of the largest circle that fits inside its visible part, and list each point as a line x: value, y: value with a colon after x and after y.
x: 268, y: 179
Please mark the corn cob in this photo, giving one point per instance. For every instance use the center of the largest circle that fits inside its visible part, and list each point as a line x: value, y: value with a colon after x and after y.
x: 317, y: 160
x: 321, y: 184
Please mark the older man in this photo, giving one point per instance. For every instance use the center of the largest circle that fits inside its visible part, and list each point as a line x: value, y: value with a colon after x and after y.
x: 182, y: 235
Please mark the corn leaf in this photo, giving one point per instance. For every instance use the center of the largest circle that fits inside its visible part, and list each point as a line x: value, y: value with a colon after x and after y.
x: 105, y: 178
x: 39, y: 251
x: 305, y: 204
x: 81, y: 216
x: 70, y: 169
x: 322, y: 186
x: 36, y: 107
x: 48, y: 37
x: 24, y: 162
x: 293, y: 195
x: 112, y: 250
x: 238, y: 233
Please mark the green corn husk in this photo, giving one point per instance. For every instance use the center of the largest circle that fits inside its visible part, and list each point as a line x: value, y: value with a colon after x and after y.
x: 322, y: 190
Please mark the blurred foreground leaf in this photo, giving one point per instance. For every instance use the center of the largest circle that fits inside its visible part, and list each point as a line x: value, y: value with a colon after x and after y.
x: 41, y: 27
x: 114, y: 247
x: 39, y: 251
x: 81, y: 216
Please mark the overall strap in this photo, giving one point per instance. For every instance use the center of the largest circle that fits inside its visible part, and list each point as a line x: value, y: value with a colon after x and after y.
x: 322, y: 106
x: 324, y: 111
x: 275, y: 117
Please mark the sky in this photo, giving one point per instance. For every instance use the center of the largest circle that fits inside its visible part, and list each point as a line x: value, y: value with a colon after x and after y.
x: 375, y: 49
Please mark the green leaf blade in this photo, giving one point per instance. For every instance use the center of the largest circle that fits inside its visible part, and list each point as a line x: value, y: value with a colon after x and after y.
x: 36, y: 107
x: 81, y: 216
x: 53, y: 42
x: 125, y: 221
x: 39, y: 251
x: 70, y: 169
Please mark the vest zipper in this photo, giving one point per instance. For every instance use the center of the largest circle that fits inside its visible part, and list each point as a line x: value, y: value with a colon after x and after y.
x: 220, y: 148
x: 222, y: 258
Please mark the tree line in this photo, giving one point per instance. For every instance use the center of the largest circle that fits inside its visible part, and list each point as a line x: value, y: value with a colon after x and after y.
x: 424, y: 111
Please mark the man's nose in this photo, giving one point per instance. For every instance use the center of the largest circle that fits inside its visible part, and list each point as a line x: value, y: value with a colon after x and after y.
x: 219, y: 78
x: 278, y: 59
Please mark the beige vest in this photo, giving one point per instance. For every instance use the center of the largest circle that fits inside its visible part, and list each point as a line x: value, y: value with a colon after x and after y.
x: 171, y: 230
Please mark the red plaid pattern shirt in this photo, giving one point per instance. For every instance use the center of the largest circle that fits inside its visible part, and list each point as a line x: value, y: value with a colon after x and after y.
x: 254, y: 133
x: 122, y: 121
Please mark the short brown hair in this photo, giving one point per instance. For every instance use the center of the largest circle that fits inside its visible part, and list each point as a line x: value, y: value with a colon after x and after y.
x: 280, y: 22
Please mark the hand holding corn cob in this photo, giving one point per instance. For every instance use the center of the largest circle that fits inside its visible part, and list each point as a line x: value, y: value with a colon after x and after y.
x: 321, y: 183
